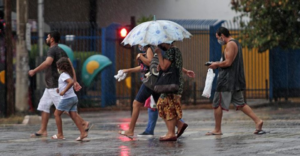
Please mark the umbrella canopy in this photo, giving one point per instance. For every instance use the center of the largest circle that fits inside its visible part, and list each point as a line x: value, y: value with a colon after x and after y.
x: 155, y: 33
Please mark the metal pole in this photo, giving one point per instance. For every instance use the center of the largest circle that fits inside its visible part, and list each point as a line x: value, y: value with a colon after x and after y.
x: 39, y: 79
x: 133, y: 83
x: 40, y: 25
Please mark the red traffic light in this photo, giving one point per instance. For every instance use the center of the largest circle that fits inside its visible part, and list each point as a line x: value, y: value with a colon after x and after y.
x: 123, y: 32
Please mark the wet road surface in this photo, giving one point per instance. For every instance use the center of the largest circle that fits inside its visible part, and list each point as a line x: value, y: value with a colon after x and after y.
x: 282, y: 125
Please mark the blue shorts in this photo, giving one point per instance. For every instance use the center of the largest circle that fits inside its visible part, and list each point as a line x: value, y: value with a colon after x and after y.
x: 68, y: 105
x: 144, y: 93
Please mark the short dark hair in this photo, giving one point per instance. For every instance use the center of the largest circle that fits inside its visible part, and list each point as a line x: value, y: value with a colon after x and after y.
x: 55, y: 35
x: 224, y: 31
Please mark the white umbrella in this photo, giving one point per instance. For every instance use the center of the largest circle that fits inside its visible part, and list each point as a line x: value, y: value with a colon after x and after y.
x: 156, y: 32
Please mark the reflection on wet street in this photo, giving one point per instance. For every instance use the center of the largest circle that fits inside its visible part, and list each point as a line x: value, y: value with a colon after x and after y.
x: 282, y: 125
x: 124, y: 151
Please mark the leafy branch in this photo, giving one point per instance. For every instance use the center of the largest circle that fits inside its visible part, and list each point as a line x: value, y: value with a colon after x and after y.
x: 268, y: 23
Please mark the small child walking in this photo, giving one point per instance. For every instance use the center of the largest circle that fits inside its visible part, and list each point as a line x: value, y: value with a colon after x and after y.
x: 68, y: 101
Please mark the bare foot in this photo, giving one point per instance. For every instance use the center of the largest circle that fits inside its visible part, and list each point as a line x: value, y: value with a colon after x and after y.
x: 163, y: 136
x: 168, y: 137
x: 86, y: 125
x: 179, y: 124
x: 214, y: 133
x: 259, y: 125
x: 85, y: 134
x: 81, y: 137
x: 258, y: 129
x: 126, y: 133
x: 56, y: 136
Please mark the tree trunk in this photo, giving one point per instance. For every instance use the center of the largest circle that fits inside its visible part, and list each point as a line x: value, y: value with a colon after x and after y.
x: 22, y: 67
x: 9, y: 81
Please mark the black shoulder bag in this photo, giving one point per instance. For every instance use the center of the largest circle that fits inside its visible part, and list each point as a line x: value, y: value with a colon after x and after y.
x: 168, y: 81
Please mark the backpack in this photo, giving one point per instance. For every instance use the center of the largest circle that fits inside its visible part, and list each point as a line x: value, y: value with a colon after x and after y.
x: 151, y: 77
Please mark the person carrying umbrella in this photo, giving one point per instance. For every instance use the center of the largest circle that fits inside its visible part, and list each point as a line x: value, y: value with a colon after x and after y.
x: 169, y: 105
x: 144, y: 93
x: 153, y: 33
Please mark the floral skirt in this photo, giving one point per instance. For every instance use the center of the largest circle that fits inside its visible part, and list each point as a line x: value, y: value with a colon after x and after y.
x: 169, y: 107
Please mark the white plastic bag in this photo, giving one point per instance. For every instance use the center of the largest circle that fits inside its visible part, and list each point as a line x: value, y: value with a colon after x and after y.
x: 208, y: 83
x: 120, y: 76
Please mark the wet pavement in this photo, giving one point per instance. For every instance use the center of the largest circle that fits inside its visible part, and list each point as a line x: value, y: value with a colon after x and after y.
x: 281, y: 123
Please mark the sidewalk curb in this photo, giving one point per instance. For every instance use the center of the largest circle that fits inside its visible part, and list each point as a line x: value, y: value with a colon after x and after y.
x: 31, y: 120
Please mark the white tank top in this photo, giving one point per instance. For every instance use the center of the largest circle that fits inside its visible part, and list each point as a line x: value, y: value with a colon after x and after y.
x: 62, y: 84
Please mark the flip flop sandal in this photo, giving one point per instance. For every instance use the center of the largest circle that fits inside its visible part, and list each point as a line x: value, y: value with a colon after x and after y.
x: 211, y: 133
x: 37, y: 135
x: 56, y: 138
x: 128, y: 136
x: 181, y: 131
x: 82, y: 139
x: 89, y: 128
x: 168, y: 139
x: 260, y: 132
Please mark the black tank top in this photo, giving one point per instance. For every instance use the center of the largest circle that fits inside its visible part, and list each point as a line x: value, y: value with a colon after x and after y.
x: 232, y: 78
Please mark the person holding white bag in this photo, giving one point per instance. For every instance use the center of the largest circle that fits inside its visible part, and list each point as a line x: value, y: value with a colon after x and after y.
x: 143, y: 94
x: 144, y: 57
x: 231, y: 82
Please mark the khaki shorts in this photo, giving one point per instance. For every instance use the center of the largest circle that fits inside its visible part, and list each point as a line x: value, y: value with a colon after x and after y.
x: 49, y: 98
x: 224, y: 99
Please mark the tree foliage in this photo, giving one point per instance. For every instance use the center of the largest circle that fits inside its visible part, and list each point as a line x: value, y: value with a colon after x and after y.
x: 143, y: 19
x: 269, y: 23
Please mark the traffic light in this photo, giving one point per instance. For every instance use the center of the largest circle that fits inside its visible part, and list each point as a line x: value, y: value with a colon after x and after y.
x: 122, y: 32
